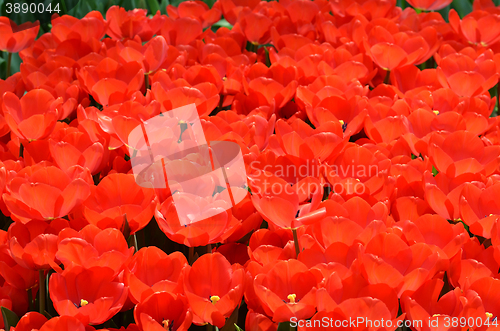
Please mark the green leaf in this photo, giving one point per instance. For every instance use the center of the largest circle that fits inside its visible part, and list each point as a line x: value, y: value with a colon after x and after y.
x: 237, y: 328
x: 463, y: 7
x: 285, y: 326
x: 444, y: 12
x: 15, y: 64
x: 163, y: 6
x: 223, y: 24
x: 10, y: 319
x: 434, y: 171
x: 153, y: 6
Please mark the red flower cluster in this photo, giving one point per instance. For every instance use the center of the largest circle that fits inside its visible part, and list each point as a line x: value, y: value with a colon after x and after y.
x: 370, y: 142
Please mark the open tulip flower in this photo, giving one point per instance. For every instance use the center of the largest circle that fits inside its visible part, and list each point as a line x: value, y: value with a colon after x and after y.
x: 15, y: 37
x: 45, y: 192
x: 32, y: 116
x: 213, y: 288
x: 285, y: 205
x: 250, y: 165
x: 91, y: 295
x: 152, y: 270
x: 163, y: 311
x: 118, y: 200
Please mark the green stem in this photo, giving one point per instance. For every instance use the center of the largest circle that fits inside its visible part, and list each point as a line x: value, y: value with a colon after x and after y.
x: 191, y: 255
x: 63, y: 5
x: 134, y: 237
x: 41, y: 291
x: 9, y: 61
x: 296, y: 242
x: 387, y: 79
x: 498, y: 101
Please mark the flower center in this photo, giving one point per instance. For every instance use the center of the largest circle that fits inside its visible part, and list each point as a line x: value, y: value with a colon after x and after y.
x: 166, y: 324
x: 291, y: 298
x: 83, y: 303
x: 214, y: 299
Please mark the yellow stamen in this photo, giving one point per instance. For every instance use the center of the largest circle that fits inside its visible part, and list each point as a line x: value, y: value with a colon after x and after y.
x: 292, y: 297
x: 437, y: 315
x: 214, y: 299
x: 489, y: 315
x: 341, y: 122
x: 83, y: 303
x: 436, y: 112
x: 165, y: 324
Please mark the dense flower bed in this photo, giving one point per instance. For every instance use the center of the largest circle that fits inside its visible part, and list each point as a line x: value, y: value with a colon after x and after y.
x: 370, y: 140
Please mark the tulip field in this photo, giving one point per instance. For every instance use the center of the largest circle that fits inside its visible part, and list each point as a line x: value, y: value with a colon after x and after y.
x: 249, y: 165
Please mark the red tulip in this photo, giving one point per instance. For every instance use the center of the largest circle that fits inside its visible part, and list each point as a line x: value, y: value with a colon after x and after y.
x: 266, y: 247
x: 428, y: 306
x: 287, y: 290
x: 91, y: 295
x: 434, y: 230
x: 70, y: 146
x: 119, y: 120
x: 213, y: 288
x: 255, y: 27
x: 371, y: 9
x: 33, y: 116
x: 44, y: 192
x: 200, y: 86
x: 65, y: 323
x: 11, y: 84
x: 13, y: 299
x: 110, y: 82
x: 196, y: 9
x: 478, y: 27
x: 128, y: 24
x: 270, y: 194
x: 163, y: 311
x: 16, y: 38
x: 390, y: 48
x: 94, y: 247
x: 462, y: 152
x: 213, y: 223
x: 118, y: 198
x: 151, y: 270
x: 34, y: 245
x: 486, y: 288
x: 30, y: 321
x: 259, y: 322
x: 429, y: 4
x: 91, y: 26
x: 479, y: 209
x: 480, y: 74
x: 182, y: 31
x: 15, y: 274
